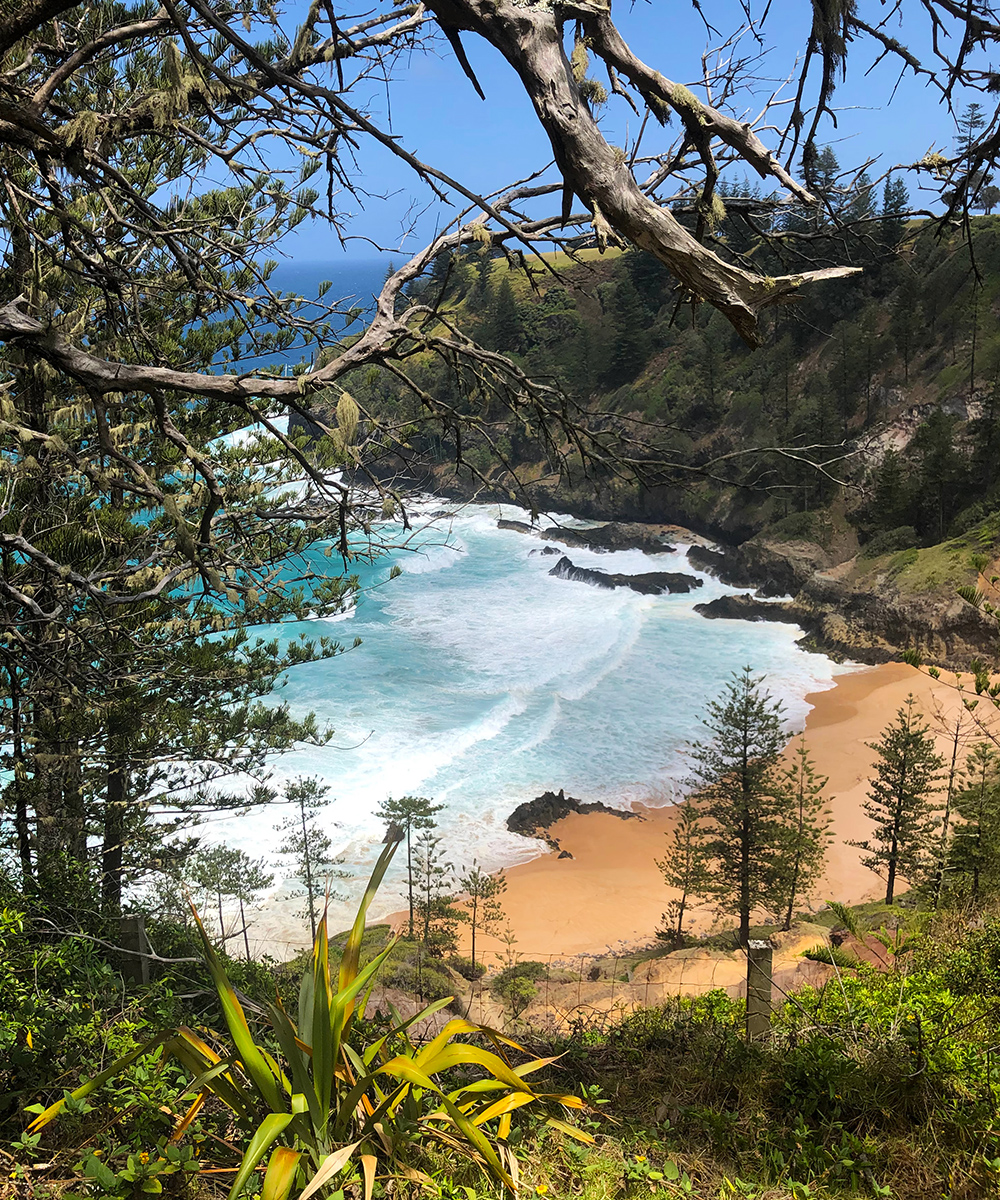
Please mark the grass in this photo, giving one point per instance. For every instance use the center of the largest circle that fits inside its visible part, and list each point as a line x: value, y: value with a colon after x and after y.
x: 946, y: 565
x: 933, y: 569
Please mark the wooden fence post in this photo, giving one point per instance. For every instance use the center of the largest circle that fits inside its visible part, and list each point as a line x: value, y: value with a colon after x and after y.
x: 135, y: 949
x: 759, y: 961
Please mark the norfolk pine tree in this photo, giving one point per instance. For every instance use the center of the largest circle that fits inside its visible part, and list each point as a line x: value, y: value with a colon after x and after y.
x: 907, y: 772
x: 481, y: 909
x: 307, y: 845
x: 435, y: 902
x: 809, y: 826
x: 409, y: 813
x: 975, y: 845
x: 252, y: 877
x: 685, y: 868
x: 226, y: 871
x: 740, y: 791
x: 945, y: 833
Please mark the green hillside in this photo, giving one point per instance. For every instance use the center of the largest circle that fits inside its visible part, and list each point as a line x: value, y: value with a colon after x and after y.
x: 903, y: 357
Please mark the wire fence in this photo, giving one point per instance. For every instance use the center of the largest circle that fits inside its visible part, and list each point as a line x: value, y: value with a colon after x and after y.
x: 565, y: 992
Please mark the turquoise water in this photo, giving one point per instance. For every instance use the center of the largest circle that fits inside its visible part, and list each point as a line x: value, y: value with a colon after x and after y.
x: 482, y: 681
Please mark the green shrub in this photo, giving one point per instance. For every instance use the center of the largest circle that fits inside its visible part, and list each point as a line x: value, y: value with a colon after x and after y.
x: 466, y: 967
x: 514, y: 991
x: 833, y: 955
x: 804, y: 525
x: 890, y: 541
x: 428, y: 982
x: 525, y: 970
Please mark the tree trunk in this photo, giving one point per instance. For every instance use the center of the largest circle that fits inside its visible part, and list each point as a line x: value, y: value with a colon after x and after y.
x: 946, y: 820
x: 745, y: 882
x: 114, y: 837
x: 22, y: 827
x: 793, y: 888
x: 409, y: 875
x: 307, y: 863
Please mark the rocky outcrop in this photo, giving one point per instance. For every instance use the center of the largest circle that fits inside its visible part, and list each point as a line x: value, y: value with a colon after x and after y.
x: 752, y: 608
x: 650, y: 583
x: 773, y: 567
x: 847, y: 608
x: 871, y: 621
x: 545, y: 552
x: 604, y: 539
x: 607, y: 538
x: 534, y: 818
x: 713, y: 562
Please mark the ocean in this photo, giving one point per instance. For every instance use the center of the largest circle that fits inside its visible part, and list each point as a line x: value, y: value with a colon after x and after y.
x: 482, y: 681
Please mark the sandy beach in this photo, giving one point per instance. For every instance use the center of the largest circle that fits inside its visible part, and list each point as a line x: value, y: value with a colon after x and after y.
x: 610, y: 894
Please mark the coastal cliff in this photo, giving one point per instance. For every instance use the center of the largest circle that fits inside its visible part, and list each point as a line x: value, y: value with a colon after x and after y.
x: 867, y: 609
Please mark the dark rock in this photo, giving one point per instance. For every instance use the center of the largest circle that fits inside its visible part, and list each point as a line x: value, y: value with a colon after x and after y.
x: 713, y: 562
x: 871, y: 621
x: 751, y: 608
x: 544, y: 552
x: 615, y: 535
x: 778, y: 568
x: 534, y: 818
x: 519, y: 526
x: 651, y: 583
x: 774, y: 568
x: 564, y: 854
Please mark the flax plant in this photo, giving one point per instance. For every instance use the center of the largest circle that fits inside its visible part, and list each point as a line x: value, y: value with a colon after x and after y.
x: 336, y: 1109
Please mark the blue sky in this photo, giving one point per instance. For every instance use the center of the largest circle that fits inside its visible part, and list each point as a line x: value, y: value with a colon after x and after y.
x: 438, y: 116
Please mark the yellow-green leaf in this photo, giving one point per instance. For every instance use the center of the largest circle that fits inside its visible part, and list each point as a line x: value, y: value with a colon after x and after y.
x: 280, y: 1174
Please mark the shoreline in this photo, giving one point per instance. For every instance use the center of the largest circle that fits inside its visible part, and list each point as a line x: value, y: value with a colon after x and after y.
x: 610, y: 895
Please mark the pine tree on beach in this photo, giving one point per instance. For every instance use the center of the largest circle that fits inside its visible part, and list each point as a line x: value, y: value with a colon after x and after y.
x: 227, y: 872
x: 251, y: 878
x: 975, y: 846
x: 309, y: 847
x: 435, y: 901
x: 907, y: 773
x: 809, y: 826
x: 211, y: 870
x: 481, y: 908
x: 739, y: 789
x: 685, y: 868
x: 946, y: 829
x: 409, y: 813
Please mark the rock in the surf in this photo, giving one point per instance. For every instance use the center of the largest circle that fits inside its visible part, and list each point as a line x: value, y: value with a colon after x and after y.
x: 616, y: 535
x: 650, y: 583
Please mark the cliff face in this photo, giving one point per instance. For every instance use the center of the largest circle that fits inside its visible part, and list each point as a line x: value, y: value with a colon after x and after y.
x: 868, y: 610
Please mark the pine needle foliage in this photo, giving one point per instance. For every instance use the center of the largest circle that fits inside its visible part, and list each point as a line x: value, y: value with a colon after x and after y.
x: 809, y: 826
x: 907, y: 774
x: 975, y: 846
x: 741, y: 795
x: 685, y: 868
